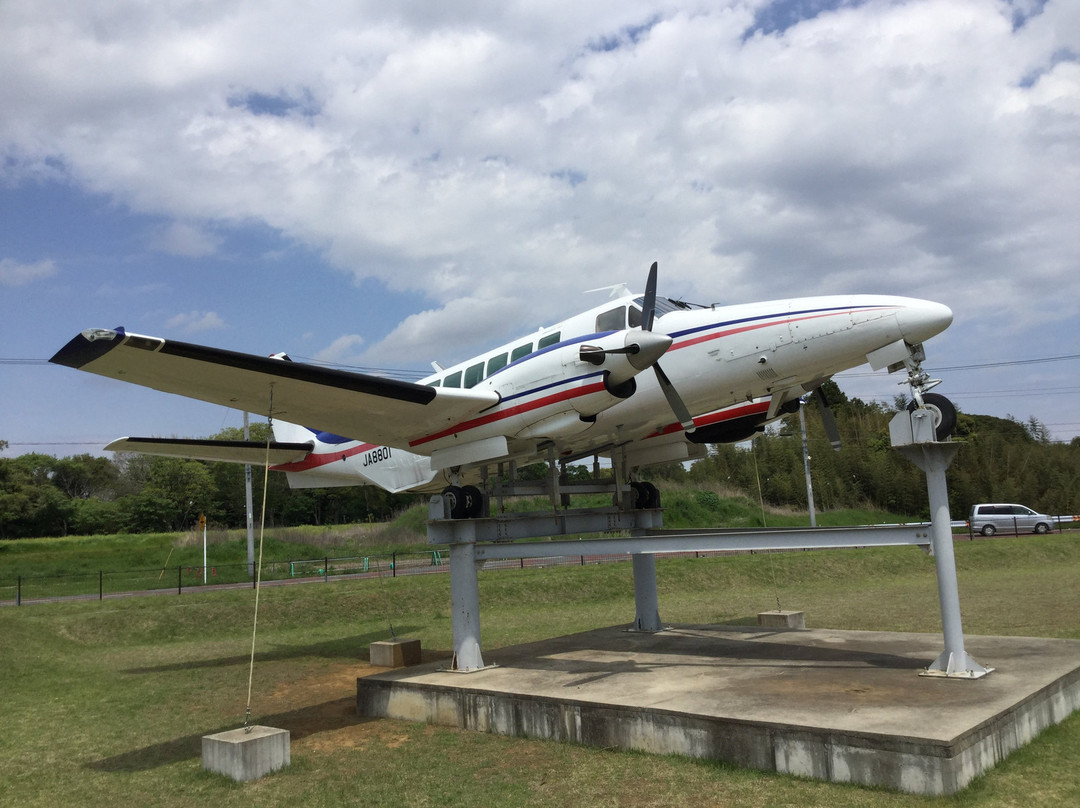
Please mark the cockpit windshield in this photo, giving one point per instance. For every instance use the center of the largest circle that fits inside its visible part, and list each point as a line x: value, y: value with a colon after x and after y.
x: 665, y: 305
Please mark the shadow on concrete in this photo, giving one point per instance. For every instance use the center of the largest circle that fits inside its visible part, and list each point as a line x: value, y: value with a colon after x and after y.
x: 688, y: 649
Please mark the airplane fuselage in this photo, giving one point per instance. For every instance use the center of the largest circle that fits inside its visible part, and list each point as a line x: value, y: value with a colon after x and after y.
x: 573, y: 390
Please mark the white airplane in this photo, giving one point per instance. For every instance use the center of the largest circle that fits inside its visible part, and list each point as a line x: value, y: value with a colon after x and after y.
x: 576, y: 389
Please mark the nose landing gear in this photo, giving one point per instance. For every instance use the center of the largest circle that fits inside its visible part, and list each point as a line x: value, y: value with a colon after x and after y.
x: 940, y: 408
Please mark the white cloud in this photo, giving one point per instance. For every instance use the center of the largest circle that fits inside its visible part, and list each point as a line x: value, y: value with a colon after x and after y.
x: 522, y: 153
x: 464, y: 326
x: 342, y: 350
x: 194, y: 321
x: 14, y: 273
x: 185, y: 239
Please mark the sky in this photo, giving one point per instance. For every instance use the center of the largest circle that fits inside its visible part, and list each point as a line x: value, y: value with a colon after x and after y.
x: 383, y: 185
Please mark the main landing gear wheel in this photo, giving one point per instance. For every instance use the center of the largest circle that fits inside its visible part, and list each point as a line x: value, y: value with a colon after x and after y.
x: 942, y: 411
x: 454, y: 496
x: 466, y: 502
x: 474, y: 502
x: 646, y: 495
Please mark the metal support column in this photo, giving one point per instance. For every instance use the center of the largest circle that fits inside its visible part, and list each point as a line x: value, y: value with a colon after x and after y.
x: 646, y: 602
x: 465, y: 604
x: 933, y: 458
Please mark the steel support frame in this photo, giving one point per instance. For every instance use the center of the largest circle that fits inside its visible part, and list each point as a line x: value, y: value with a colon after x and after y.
x: 495, y: 535
x: 465, y: 607
x: 469, y: 552
x: 933, y: 459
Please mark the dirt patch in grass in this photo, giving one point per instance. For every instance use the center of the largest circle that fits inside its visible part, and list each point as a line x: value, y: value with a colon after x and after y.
x: 319, y: 710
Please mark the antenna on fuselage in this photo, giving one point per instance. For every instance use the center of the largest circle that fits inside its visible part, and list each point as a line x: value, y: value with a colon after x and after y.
x: 615, y: 290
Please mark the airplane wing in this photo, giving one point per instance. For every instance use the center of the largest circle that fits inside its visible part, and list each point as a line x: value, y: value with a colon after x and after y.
x: 251, y: 452
x: 353, y: 405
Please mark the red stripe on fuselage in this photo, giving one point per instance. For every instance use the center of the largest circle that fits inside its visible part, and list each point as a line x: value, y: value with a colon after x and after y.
x: 509, y: 412
x: 744, y: 328
x: 318, y: 459
x: 729, y: 414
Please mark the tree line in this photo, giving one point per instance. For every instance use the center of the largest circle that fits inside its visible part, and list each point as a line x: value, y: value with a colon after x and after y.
x: 42, y: 495
x: 1000, y: 460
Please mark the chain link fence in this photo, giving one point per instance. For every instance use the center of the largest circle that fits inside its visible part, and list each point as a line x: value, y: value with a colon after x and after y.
x: 182, y: 580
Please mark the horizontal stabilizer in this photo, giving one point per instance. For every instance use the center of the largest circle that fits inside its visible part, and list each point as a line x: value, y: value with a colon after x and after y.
x: 253, y: 453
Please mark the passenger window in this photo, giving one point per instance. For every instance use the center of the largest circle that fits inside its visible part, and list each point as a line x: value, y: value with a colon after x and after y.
x: 435, y: 383
x: 474, y: 375
x: 520, y: 351
x: 496, y: 363
x: 550, y: 339
x: 613, y: 320
x: 635, y: 317
x: 453, y: 380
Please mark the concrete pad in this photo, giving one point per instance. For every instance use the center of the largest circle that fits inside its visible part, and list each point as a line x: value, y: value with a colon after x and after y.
x: 246, y: 753
x: 781, y: 619
x: 395, y: 653
x: 847, y: 706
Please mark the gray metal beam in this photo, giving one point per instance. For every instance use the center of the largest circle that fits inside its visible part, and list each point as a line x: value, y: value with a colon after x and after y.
x: 536, y: 524
x: 670, y: 542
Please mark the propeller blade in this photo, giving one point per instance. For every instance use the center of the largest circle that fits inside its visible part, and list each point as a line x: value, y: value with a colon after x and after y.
x: 648, y: 306
x: 828, y: 420
x: 674, y: 400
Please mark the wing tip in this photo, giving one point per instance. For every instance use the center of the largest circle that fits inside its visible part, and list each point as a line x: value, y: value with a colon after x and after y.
x: 87, y: 346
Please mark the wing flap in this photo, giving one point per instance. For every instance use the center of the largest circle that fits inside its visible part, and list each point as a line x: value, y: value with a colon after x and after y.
x: 354, y: 405
x: 253, y: 453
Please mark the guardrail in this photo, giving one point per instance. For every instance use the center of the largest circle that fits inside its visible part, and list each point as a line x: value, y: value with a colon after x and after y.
x: 25, y: 589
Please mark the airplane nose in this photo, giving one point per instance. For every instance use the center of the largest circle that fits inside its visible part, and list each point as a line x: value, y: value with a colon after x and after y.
x: 922, y: 319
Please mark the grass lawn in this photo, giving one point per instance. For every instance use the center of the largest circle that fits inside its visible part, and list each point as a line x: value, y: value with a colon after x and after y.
x: 105, y: 703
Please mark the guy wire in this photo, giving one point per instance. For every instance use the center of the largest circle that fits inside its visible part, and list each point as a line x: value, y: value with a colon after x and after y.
x: 258, y: 565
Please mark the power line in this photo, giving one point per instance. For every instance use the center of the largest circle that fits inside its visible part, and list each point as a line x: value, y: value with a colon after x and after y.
x: 980, y: 365
x: 1009, y: 363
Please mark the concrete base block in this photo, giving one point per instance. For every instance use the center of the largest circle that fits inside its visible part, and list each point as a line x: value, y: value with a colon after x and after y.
x: 395, y: 653
x: 780, y: 619
x: 845, y: 706
x: 246, y: 754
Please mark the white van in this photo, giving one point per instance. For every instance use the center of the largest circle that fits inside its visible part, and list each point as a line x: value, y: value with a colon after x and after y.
x: 988, y: 519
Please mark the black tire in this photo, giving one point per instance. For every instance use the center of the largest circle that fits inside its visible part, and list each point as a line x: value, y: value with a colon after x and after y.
x: 943, y: 412
x: 455, y: 496
x: 649, y: 496
x: 1042, y: 527
x: 988, y: 530
x: 474, y: 501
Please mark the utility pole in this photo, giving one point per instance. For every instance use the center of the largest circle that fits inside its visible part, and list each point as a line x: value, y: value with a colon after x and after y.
x: 250, y: 515
x: 806, y: 468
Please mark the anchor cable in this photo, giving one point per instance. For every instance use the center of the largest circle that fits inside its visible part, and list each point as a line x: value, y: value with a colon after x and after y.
x: 258, y: 564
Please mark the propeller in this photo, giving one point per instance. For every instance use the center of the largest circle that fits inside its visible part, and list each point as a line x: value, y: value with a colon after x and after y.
x: 642, y: 350
x: 828, y: 420
x: 648, y: 315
